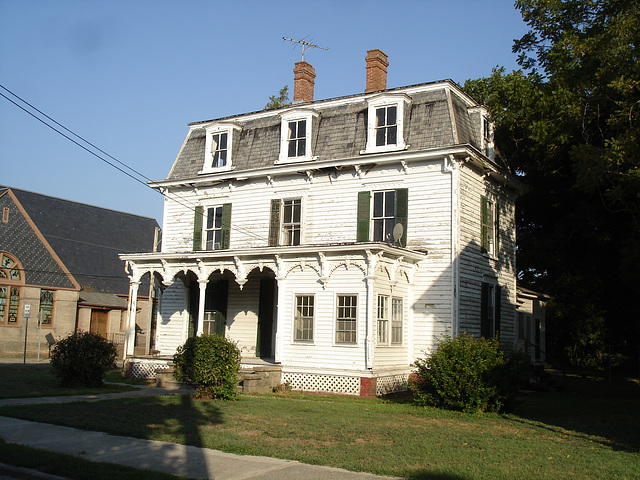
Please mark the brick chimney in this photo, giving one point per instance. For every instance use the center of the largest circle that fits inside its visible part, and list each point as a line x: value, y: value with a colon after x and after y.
x: 303, y: 82
x: 376, y: 70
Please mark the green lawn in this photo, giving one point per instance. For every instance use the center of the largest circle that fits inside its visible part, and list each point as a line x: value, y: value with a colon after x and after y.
x: 587, y: 431
x: 29, y: 380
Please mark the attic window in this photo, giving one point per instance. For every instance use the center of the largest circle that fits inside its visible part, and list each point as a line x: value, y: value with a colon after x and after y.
x: 5, y: 215
x: 219, y: 142
x: 296, y: 129
x: 385, y: 123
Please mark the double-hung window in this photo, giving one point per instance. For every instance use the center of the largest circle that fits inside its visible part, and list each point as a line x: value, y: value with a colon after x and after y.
x: 285, y: 227
x: 296, y: 129
x: 382, y: 314
x: 385, y: 218
x: 397, y: 315
x: 390, y: 316
x: 385, y: 123
x: 384, y: 215
x: 219, y: 147
x: 303, y: 318
x: 346, y: 319
x: 297, y: 139
x: 490, y: 309
x: 489, y: 241
x: 212, y: 227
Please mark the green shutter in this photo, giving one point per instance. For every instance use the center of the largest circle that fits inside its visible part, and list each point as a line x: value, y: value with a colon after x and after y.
x: 402, y: 212
x: 197, y: 229
x: 364, y: 216
x: 485, y: 325
x: 274, y: 223
x: 225, y: 230
x: 484, y: 234
x: 498, y: 304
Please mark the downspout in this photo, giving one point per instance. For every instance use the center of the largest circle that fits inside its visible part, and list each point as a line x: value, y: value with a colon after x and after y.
x: 450, y: 165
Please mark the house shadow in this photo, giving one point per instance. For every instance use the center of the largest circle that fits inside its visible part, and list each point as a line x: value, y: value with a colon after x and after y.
x: 589, y: 408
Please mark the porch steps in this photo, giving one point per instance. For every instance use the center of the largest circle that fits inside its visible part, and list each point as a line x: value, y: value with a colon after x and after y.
x: 251, y: 378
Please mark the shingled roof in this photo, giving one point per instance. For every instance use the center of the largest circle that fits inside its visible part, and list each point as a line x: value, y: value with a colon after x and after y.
x: 88, y: 239
x: 434, y: 119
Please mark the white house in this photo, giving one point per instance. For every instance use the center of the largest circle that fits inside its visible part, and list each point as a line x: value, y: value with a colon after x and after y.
x: 339, y: 238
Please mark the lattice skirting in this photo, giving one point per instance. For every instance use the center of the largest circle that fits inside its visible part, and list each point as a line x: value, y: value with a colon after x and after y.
x: 309, y: 382
x: 146, y: 369
x: 392, y: 383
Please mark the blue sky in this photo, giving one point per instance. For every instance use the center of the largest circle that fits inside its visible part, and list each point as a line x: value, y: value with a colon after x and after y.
x: 129, y: 75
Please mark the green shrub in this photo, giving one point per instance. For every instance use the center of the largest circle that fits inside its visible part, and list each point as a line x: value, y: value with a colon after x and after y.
x: 212, y: 363
x: 470, y: 375
x: 83, y: 359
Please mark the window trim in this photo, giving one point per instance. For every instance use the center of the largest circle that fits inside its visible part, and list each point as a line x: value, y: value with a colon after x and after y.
x: 365, y: 210
x: 201, y: 213
x: 401, y: 102
x: 231, y: 129
x: 489, y: 226
x: 297, y: 318
x: 337, y: 330
x: 277, y: 224
x: 310, y: 116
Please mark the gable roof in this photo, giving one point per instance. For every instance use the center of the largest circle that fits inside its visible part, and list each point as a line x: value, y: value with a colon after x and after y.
x: 88, y: 239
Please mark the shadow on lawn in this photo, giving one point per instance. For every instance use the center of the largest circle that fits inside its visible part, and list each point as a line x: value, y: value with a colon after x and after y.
x: 431, y: 475
x: 587, y: 408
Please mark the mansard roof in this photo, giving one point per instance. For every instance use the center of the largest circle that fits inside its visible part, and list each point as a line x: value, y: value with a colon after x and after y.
x: 86, y: 239
x: 439, y: 115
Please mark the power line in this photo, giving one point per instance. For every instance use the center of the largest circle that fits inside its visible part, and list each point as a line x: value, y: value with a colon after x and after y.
x: 174, y: 198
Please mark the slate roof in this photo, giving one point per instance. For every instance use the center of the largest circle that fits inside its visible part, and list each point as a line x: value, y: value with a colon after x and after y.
x: 87, y: 239
x: 340, y: 132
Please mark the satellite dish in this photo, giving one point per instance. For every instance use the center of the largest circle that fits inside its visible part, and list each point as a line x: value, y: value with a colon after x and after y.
x: 398, y: 230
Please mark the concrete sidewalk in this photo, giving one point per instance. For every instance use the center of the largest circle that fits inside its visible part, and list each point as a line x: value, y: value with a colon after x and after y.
x: 183, y: 460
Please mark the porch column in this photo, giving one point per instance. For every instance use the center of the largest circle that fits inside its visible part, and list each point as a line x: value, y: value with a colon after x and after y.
x: 370, y: 323
x: 201, y: 300
x: 130, y: 336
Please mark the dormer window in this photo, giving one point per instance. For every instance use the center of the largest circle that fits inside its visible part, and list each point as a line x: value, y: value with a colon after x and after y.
x: 385, y: 123
x: 487, y: 137
x: 297, y: 138
x: 219, y: 147
x: 297, y: 127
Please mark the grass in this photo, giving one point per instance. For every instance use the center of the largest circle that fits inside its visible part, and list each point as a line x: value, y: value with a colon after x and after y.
x: 28, y: 380
x: 587, y: 431
x: 72, y: 467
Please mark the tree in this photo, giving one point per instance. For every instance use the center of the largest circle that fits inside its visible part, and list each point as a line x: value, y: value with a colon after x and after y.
x: 569, y: 124
x: 281, y: 100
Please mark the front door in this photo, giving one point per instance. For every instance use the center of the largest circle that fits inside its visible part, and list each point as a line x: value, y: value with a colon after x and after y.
x: 99, y: 322
x: 264, y: 342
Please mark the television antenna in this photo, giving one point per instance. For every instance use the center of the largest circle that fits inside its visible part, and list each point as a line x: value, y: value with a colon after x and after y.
x: 304, y: 44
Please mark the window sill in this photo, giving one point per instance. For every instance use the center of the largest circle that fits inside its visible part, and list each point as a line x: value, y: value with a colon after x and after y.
x: 208, y: 170
x: 283, y: 160
x: 384, y: 149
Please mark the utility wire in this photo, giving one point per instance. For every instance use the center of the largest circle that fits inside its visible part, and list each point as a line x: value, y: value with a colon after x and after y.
x: 166, y: 194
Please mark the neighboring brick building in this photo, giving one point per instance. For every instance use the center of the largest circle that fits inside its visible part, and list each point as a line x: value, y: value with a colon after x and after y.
x: 61, y: 259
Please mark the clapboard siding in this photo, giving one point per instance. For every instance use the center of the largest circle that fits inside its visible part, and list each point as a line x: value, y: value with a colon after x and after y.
x: 172, y: 318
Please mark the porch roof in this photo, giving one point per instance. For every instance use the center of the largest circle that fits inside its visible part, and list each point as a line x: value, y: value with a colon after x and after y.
x: 242, y: 261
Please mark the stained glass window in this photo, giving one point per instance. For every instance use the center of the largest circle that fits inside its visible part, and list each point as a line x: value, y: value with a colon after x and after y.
x: 46, y: 306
